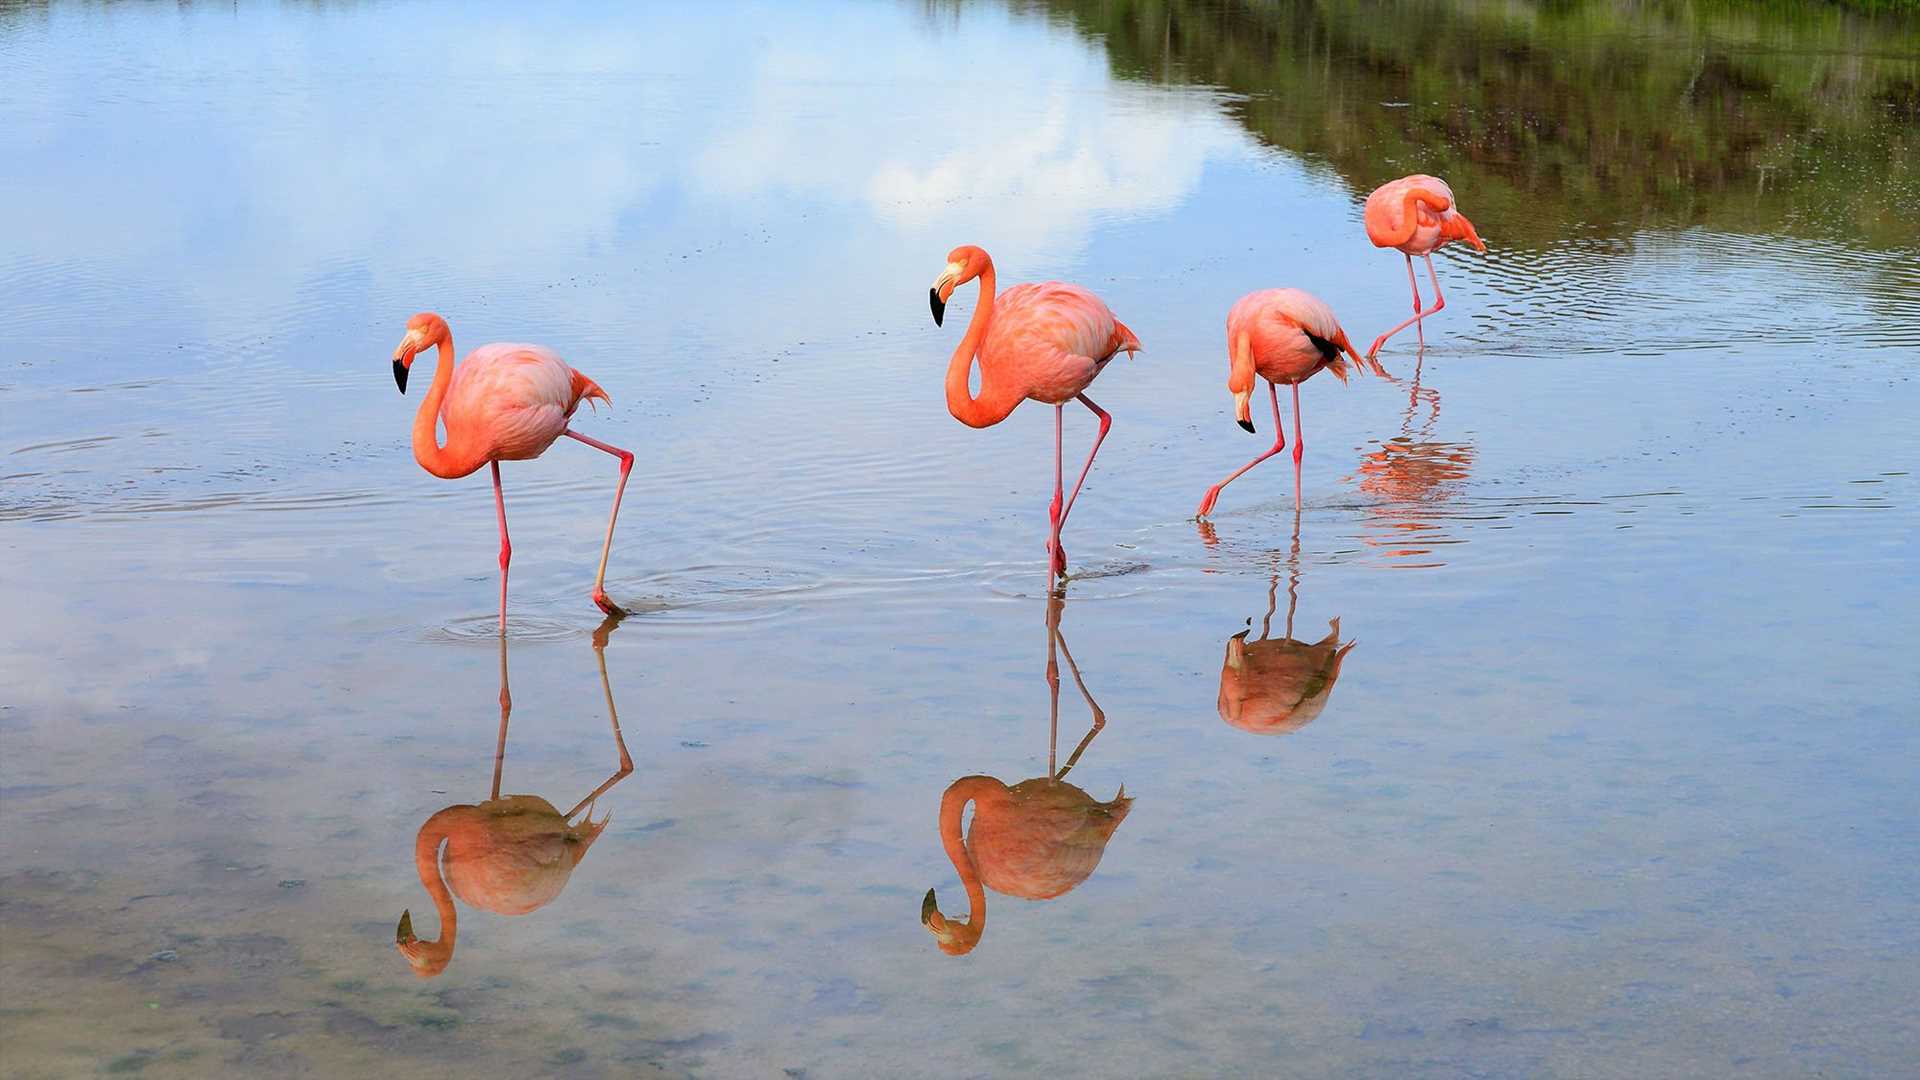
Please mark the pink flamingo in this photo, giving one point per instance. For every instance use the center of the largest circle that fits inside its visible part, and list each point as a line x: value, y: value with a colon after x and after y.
x: 1046, y: 342
x: 1285, y: 336
x: 1416, y: 214
x: 506, y: 402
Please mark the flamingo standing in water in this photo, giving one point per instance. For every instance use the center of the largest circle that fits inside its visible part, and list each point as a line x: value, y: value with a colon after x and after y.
x: 1284, y: 336
x: 506, y: 402
x: 1416, y: 215
x: 1046, y: 342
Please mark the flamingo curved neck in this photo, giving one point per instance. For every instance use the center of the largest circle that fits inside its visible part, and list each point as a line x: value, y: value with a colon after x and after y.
x: 987, y: 793
x: 1410, y: 216
x: 426, y: 862
x: 995, y: 401
x: 454, y: 459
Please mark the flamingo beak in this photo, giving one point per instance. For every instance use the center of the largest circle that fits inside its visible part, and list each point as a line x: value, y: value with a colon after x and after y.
x: 1243, y: 409
x: 403, y: 934
x: 942, y: 289
x: 931, y: 918
x: 403, y: 358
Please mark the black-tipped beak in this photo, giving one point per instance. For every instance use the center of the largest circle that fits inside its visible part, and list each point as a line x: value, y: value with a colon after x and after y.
x: 403, y: 934
x: 928, y: 908
x: 938, y: 305
x: 1247, y: 424
x: 400, y: 377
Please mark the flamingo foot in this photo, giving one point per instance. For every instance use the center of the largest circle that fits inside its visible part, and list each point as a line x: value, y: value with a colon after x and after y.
x: 1206, y: 502
x: 613, y: 610
x: 1059, y: 563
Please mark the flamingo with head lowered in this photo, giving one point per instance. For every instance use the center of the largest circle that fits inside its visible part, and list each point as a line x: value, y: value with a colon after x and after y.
x: 1284, y: 336
x: 505, y: 402
x: 1416, y: 214
x: 1047, y: 342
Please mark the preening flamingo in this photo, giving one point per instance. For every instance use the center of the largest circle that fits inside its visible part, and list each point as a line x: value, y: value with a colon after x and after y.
x: 1275, y: 686
x: 1046, y: 342
x: 1036, y: 840
x: 507, y: 855
x: 1284, y: 336
x: 505, y: 402
x: 1416, y: 214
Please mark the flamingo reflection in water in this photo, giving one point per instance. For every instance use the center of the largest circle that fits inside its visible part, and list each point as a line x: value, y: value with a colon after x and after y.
x: 1411, y: 473
x: 1037, y: 839
x: 1275, y: 686
x: 508, y: 855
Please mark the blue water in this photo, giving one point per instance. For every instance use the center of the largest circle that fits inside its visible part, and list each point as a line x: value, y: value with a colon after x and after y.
x: 1617, y: 778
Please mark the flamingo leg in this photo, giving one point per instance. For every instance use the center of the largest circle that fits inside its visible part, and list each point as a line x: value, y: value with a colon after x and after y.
x: 1055, y: 517
x: 1418, y: 314
x: 1299, y: 433
x: 626, y: 760
x: 1099, y: 717
x: 1439, y: 299
x: 506, y: 711
x: 1054, y: 603
x: 506, y: 553
x: 1279, y: 443
x: 1106, y: 425
x: 626, y: 466
x: 1299, y: 447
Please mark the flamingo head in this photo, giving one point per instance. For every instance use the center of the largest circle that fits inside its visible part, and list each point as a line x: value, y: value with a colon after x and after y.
x: 955, y: 938
x: 1240, y: 383
x: 424, y: 331
x: 964, y: 263
x: 427, y: 958
x: 1243, y: 408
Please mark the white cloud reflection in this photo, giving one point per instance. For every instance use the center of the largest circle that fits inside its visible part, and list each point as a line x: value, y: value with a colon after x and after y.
x: 252, y: 152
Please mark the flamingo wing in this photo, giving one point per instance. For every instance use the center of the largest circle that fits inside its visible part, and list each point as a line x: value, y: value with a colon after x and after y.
x: 1067, y: 317
x: 1406, y: 213
x: 1328, y: 350
x: 1053, y: 338
x: 519, y: 395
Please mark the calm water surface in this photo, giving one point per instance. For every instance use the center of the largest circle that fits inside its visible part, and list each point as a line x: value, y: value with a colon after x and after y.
x: 1574, y: 714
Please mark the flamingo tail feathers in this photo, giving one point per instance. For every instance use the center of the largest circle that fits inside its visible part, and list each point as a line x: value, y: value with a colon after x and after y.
x: 585, y: 389
x: 1364, y: 363
x: 1122, y: 339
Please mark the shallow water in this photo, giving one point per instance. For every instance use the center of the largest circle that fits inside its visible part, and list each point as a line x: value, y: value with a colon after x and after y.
x: 1616, y: 777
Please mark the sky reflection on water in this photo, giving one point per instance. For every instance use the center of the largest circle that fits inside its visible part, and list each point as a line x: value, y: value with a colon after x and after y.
x: 1617, y: 779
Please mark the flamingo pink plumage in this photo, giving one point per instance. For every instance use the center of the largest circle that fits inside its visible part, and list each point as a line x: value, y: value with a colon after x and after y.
x: 1416, y: 215
x: 505, y: 402
x: 1046, y: 342
x: 1284, y: 336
